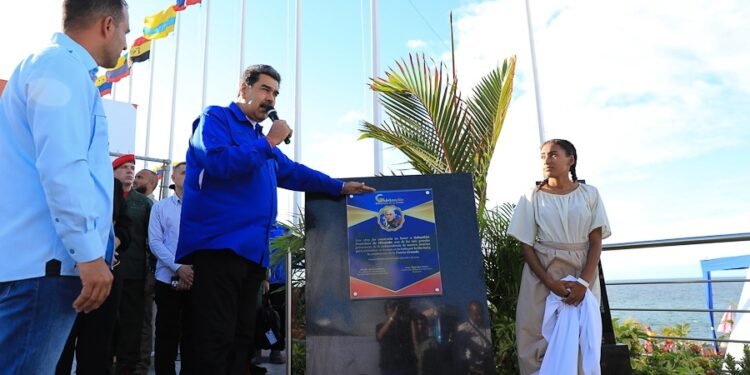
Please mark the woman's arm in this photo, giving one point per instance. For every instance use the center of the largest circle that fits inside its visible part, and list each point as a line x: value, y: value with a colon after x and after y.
x: 578, y: 291
x: 556, y: 286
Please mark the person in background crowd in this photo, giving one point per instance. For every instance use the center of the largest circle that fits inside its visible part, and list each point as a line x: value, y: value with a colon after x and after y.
x: 133, y: 269
x: 173, y: 282
x: 146, y: 182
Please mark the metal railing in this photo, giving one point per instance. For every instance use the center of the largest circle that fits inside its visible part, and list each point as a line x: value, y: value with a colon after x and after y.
x: 700, y: 240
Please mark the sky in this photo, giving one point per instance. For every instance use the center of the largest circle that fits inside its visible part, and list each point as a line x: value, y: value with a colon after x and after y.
x: 654, y: 95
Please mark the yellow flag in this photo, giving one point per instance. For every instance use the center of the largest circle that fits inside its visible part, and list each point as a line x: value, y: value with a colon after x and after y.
x: 160, y: 24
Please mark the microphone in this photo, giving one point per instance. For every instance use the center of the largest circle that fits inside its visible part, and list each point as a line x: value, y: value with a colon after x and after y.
x: 274, y: 116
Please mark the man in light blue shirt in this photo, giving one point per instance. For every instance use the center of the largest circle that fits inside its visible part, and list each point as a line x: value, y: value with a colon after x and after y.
x: 58, y: 212
x: 173, y: 282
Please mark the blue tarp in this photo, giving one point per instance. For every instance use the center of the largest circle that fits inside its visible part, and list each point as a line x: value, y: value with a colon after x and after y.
x: 720, y: 264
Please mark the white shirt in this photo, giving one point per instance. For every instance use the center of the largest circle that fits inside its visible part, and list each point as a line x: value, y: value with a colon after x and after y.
x: 163, y: 232
x: 566, y: 218
x: 566, y: 328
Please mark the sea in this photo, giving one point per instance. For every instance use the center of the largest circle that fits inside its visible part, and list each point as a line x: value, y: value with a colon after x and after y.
x: 671, y: 296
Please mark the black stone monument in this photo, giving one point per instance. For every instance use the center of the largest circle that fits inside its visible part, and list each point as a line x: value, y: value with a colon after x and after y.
x: 434, y: 334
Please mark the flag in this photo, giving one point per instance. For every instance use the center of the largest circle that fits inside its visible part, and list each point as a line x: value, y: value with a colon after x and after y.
x: 105, y: 88
x: 180, y: 5
x: 120, y: 71
x: 159, y: 172
x: 160, y: 24
x: 100, y: 81
x: 141, y: 50
x: 727, y: 321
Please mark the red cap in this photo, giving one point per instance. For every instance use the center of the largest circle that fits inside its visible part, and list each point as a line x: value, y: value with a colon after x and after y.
x: 128, y: 158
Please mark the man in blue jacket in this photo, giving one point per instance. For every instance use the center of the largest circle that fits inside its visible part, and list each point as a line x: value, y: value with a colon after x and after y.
x: 228, y: 210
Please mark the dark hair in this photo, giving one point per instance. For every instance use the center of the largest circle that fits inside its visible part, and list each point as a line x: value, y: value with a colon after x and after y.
x: 253, y: 72
x: 570, y: 150
x: 80, y: 13
x: 179, y: 165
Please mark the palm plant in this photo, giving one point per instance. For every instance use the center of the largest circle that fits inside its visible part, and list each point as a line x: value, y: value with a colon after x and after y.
x: 437, y: 130
x: 502, y: 272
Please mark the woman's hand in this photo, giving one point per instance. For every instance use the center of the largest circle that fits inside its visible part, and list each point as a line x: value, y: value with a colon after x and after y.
x: 558, y: 287
x: 577, y: 292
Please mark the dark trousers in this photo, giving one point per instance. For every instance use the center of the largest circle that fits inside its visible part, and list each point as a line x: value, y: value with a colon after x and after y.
x: 147, y: 331
x: 129, y: 326
x: 173, y: 329
x: 225, y: 291
x: 278, y: 302
x: 91, y: 338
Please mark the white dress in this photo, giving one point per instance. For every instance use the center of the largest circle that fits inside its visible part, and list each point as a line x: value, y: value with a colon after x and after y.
x: 558, y: 228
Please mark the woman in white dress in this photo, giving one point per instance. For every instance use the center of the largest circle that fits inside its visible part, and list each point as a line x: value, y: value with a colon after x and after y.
x: 561, y: 224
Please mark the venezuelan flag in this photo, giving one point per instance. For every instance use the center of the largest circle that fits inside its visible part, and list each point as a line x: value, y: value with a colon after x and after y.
x: 160, y: 24
x: 159, y: 172
x: 100, y: 81
x: 141, y: 50
x: 105, y: 88
x: 120, y: 71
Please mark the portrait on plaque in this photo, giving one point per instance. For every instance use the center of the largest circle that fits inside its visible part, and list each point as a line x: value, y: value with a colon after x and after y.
x: 390, y: 218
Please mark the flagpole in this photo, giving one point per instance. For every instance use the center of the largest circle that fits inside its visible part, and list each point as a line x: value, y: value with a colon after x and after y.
x: 376, y: 110
x: 168, y: 169
x: 112, y: 93
x: 130, y: 85
x: 298, y: 97
x: 242, y: 37
x: 150, y: 101
x: 205, y: 54
x: 298, y: 158
x: 535, y: 75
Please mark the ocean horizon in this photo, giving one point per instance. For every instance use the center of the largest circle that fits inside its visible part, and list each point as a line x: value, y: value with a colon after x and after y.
x: 673, y: 296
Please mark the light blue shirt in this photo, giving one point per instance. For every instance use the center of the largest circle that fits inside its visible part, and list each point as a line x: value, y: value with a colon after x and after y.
x: 57, y: 196
x: 163, y: 232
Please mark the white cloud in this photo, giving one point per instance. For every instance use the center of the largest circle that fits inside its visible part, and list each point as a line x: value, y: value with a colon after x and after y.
x: 652, y: 94
x: 416, y: 44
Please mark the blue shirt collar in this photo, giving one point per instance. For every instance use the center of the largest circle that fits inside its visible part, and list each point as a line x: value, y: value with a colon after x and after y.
x: 78, y: 52
x: 241, y: 117
x: 175, y: 200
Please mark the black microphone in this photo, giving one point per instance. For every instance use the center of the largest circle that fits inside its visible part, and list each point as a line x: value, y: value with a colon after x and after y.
x: 274, y: 116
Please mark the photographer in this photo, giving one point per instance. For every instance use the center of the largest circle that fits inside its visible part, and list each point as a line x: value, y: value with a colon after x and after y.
x: 394, y: 336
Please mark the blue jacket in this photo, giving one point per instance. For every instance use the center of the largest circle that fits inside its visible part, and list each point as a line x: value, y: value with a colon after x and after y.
x: 230, y: 186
